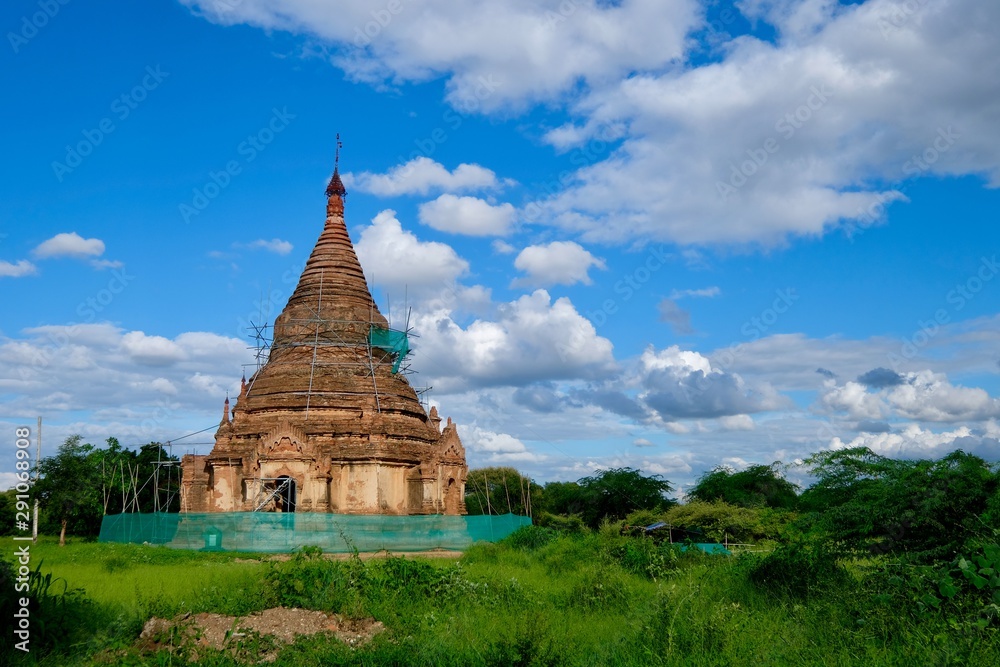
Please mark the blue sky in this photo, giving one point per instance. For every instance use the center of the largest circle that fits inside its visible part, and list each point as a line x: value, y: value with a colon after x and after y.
x: 666, y: 234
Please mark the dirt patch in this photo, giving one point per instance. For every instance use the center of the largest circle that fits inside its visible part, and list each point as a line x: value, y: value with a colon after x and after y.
x: 256, y: 638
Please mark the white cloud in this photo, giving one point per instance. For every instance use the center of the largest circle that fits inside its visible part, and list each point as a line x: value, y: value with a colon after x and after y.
x: 69, y: 245
x: 501, y: 247
x: 495, y: 447
x: 151, y: 350
x: 916, y: 442
x: 16, y: 270
x: 495, y: 55
x: 792, y: 138
x: 642, y: 442
x: 707, y: 292
x: 923, y: 396
x: 277, y: 246
x: 556, y: 263
x: 130, y: 384
x: 396, y: 261
x: 468, y: 215
x: 106, y: 264
x: 531, y: 339
x: 422, y: 175
x: 737, y: 423
x: 678, y: 384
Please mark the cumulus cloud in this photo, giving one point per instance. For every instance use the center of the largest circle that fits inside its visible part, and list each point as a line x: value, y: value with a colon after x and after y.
x: 540, y: 397
x: 491, y: 447
x: 680, y: 384
x: 422, y: 175
x: 913, y: 441
x: 131, y: 384
x: 396, y: 260
x: 468, y: 215
x: 794, y: 137
x: 556, y: 263
x: 672, y: 388
x: 69, y: 245
x: 17, y: 269
x: 924, y: 396
x: 495, y: 55
x: 531, y: 339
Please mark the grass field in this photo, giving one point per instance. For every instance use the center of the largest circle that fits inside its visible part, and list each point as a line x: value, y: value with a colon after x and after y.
x: 538, y: 598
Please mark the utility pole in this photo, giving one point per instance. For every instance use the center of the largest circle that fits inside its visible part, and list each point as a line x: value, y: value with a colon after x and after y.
x: 38, y: 459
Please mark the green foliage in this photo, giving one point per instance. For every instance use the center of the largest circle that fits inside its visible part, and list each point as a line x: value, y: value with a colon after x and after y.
x: 720, y: 521
x: 614, y: 493
x: 530, y: 537
x: 798, y: 569
x: 964, y: 592
x: 69, y: 488
x: 58, y: 615
x: 81, y: 483
x: 757, y: 486
x: 563, y: 498
x: 925, y: 508
x: 500, y: 491
x: 8, y: 509
x: 570, y: 524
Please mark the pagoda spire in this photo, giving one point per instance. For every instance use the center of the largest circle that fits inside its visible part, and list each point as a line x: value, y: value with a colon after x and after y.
x: 332, y: 286
x: 225, y: 412
x: 335, y: 190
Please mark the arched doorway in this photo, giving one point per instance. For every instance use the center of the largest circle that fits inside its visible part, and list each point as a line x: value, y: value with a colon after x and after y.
x: 451, y: 498
x: 285, y: 497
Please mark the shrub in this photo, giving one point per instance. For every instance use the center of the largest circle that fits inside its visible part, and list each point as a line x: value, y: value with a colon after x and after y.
x: 530, y: 538
x: 798, y: 569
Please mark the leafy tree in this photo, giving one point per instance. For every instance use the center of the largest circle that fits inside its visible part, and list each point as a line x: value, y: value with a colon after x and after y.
x: 500, y: 490
x: 718, y: 520
x: 614, y: 493
x: 565, y: 498
x: 68, y: 488
x: 8, y: 509
x: 757, y: 486
x: 923, y: 507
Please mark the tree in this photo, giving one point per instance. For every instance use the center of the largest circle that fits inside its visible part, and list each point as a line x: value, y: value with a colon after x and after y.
x: 615, y: 493
x: 564, y: 498
x: 757, y: 486
x: 923, y: 507
x: 500, y: 490
x: 68, y: 488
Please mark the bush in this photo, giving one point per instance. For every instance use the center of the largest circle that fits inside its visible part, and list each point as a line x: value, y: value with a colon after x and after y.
x: 530, y: 538
x: 569, y: 524
x: 797, y: 570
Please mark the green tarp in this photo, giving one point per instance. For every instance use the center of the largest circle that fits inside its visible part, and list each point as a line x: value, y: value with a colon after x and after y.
x: 283, y: 532
x: 392, y: 341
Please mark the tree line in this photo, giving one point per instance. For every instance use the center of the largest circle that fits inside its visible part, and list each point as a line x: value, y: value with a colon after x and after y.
x: 81, y: 483
x: 859, y: 499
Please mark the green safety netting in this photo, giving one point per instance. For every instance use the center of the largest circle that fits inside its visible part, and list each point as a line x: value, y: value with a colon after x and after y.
x: 395, y: 342
x: 283, y: 532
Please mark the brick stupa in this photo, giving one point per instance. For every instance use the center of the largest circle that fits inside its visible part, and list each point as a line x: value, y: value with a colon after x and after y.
x: 329, y: 423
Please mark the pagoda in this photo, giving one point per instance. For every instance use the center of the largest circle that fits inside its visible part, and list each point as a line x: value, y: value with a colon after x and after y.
x: 330, y: 423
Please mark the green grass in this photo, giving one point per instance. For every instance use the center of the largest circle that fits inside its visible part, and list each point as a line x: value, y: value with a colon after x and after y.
x: 539, y: 598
